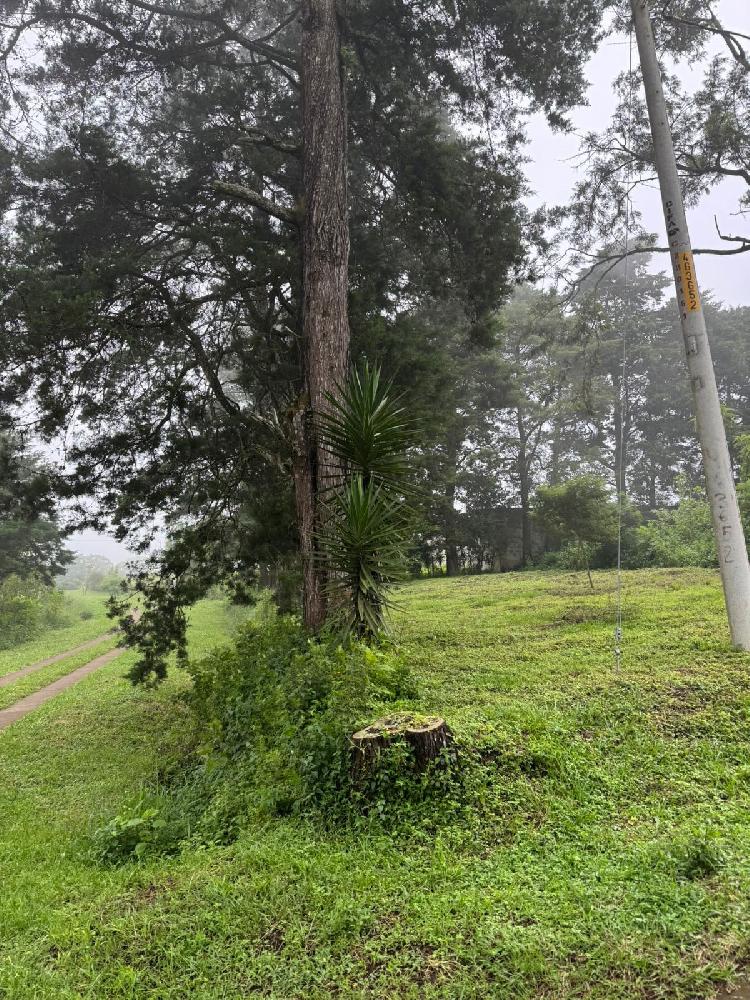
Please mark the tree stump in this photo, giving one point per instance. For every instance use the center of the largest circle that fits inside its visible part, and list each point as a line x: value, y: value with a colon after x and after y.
x: 426, y: 736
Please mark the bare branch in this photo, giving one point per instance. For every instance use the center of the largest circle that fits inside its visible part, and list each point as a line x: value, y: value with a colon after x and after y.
x: 241, y: 193
x: 610, y: 261
x: 744, y: 241
x: 274, y: 141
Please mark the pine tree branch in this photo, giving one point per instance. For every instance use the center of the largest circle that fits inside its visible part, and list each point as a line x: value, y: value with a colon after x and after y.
x: 241, y: 193
x: 274, y: 141
x: 251, y: 44
x: 610, y: 261
x: 713, y: 25
x: 226, y: 32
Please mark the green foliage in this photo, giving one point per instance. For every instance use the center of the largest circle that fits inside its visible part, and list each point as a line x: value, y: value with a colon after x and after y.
x: 581, y: 514
x: 31, y: 541
x: 366, y: 536
x: 366, y: 428
x: 580, y: 510
x: 68, y: 629
x: 606, y: 855
x: 571, y: 555
x: 80, y: 271
x: 682, y: 536
x: 742, y: 446
x: 132, y: 835
x: 27, y: 607
x: 712, y: 145
x: 274, y: 714
x: 91, y: 572
x: 365, y: 544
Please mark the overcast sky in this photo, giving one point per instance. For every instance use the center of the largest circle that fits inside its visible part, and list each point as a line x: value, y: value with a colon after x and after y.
x: 552, y: 170
x: 552, y: 174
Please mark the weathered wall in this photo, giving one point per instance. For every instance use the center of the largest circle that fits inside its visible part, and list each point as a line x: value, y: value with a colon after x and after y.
x: 509, y: 545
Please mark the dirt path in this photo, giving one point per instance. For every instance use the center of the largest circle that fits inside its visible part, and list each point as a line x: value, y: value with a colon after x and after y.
x: 7, y: 679
x: 28, y: 704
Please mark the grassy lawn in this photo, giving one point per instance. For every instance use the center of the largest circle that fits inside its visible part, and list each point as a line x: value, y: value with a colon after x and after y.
x: 73, y: 631
x: 612, y: 860
x: 46, y: 675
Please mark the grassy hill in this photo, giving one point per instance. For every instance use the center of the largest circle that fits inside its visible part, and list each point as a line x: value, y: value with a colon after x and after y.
x: 82, y: 617
x: 609, y: 857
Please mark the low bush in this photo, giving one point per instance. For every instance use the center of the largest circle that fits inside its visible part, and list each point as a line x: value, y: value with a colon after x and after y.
x: 27, y: 608
x: 135, y: 833
x: 682, y: 536
x: 274, y: 714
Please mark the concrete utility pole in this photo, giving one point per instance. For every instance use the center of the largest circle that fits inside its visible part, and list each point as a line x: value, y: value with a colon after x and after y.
x: 730, y: 538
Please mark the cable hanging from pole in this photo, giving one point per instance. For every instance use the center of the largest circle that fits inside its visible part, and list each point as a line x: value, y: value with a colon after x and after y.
x: 621, y: 465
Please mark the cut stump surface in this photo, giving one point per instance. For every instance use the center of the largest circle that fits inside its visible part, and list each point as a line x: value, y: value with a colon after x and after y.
x: 427, y: 737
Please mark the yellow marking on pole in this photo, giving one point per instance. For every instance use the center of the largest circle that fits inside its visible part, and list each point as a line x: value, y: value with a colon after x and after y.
x: 685, y: 267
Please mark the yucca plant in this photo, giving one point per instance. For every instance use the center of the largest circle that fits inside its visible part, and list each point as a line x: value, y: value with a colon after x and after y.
x: 368, y: 432
x: 365, y: 544
x: 364, y: 540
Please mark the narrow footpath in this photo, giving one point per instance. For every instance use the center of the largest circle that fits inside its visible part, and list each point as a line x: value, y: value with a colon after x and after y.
x: 32, y: 701
x: 8, y: 679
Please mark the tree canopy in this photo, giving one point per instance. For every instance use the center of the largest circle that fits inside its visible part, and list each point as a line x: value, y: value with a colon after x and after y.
x: 156, y: 287
x: 31, y: 541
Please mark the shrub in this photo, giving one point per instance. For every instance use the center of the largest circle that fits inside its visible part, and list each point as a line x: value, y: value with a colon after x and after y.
x: 367, y: 525
x: 133, y: 834
x: 682, y: 536
x: 582, y: 516
x: 27, y: 607
x: 274, y: 713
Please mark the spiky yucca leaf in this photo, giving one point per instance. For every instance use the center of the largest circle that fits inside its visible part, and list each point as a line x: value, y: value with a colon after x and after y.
x: 365, y: 540
x: 367, y: 431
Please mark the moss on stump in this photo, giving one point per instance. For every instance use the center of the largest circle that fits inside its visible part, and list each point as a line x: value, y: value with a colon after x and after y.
x: 427, y: 736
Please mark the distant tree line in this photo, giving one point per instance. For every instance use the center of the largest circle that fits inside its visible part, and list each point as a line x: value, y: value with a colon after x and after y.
x: 91, y: 573
x: 597, y: 386
x: 32, y: 549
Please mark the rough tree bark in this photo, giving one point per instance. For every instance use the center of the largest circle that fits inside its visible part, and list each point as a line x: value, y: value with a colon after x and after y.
x: 325, y: 257
x: 427, y: 738
x: 452, y: 563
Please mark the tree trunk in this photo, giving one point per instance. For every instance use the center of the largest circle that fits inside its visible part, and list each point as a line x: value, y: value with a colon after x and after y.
x: 426, y: 737
x: 524, y: 489
x: 325, y: 257
x: 652, y: 485
x: 452, y: 565
x: 554, y: 471
x: 622, y: 431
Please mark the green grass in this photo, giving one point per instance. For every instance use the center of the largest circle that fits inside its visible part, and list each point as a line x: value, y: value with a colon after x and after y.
x: 611, y: 859
x: 73, y: 631
x: 41, y: 678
